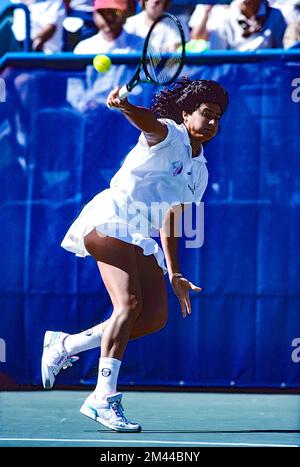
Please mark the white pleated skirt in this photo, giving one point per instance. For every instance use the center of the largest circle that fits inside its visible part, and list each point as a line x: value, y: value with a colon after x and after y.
x: 107, y: 213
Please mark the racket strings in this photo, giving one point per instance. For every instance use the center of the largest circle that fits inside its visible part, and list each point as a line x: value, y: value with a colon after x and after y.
x: 164, y: 52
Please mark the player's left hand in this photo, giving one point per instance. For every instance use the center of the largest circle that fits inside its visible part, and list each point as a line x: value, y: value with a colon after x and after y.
x: 181, y: 287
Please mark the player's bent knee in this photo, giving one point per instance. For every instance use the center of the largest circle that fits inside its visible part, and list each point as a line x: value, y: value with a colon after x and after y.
x: 143, y: 326
x: 131, y: 309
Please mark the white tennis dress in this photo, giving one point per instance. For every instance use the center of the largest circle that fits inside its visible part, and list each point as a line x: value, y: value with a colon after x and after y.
x: 150, y: 181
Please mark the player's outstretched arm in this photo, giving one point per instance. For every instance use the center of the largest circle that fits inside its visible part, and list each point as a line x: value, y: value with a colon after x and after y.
x: 140, y: 117
x: 169, y: 235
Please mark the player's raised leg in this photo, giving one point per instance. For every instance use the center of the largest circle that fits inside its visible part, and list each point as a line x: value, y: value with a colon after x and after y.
x: 60, y: 348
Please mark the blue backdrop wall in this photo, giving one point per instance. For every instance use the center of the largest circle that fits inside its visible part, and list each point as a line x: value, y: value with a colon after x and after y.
x: 60, y: 145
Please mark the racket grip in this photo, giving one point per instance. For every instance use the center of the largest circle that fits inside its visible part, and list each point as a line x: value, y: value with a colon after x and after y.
x: 123, y: 92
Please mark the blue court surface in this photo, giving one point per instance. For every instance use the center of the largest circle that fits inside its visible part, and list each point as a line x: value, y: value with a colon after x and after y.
x: 168, y: 419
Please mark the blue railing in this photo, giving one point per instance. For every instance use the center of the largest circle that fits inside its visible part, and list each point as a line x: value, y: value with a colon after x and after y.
x: 68, y: 60
x: 21, y: 6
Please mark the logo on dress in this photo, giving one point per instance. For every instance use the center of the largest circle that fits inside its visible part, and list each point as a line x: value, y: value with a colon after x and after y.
x: 192, y: 188
x: 177, y: 167
x: 105, y: 372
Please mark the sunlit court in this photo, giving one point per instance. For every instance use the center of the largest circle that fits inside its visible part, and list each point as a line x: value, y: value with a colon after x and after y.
x: 185, y: 420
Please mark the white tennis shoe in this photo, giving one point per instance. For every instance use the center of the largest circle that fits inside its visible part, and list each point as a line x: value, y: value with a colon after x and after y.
x: 109, y: 414
x: 54, y: 357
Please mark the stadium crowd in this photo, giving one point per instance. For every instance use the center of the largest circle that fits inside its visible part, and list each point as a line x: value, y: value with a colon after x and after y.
x: 108, y: 26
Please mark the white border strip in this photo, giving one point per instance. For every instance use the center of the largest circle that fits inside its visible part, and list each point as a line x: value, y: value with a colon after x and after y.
x: 135, y: 441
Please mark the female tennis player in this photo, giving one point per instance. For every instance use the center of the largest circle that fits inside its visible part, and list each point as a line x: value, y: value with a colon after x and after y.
x: 166, y: 167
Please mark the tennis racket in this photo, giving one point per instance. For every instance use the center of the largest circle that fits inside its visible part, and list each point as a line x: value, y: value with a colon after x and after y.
x: 163, y: 55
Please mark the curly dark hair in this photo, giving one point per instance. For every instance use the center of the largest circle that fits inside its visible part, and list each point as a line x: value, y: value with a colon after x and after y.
x: 188, y: 95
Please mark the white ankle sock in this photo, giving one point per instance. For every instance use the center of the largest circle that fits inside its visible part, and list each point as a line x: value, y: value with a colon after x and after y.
x: 107, y: 377
x: 85, y: 340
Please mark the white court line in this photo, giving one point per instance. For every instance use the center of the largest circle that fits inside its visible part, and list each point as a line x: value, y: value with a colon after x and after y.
x: 131, y: 441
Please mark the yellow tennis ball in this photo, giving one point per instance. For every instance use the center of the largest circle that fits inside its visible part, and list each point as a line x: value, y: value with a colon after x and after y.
x: 102, y: 63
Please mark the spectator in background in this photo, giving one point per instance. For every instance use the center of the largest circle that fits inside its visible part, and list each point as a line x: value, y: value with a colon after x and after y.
x: 79, y: 23
x: 46, y: 24
x: 291, y: 12
x: 109, y: 18
x: 292, y: 34
x: 205, y: 23
x: 246, y: 25
x: 252, y: 25
x: 285, y: 6
x: 140, y: 23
